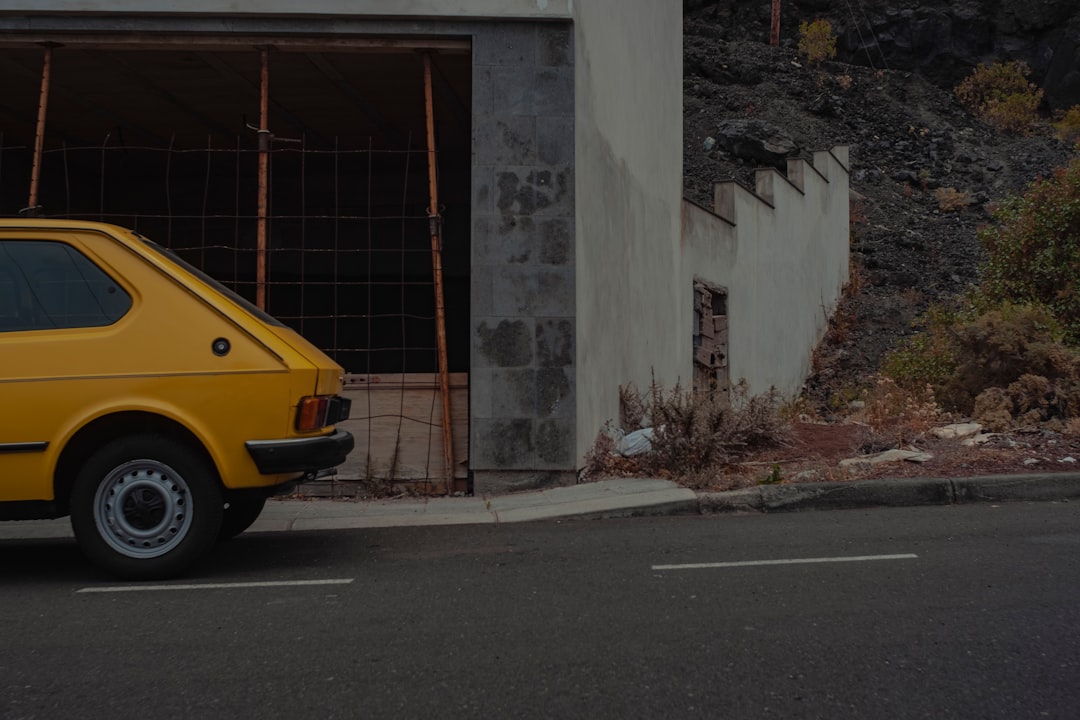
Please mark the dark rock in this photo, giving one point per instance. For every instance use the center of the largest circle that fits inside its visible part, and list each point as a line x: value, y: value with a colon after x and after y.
x: 752, y: 139
x: 826, y: 106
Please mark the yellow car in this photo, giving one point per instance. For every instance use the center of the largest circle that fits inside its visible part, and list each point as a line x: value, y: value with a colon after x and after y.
x: 151, y: 404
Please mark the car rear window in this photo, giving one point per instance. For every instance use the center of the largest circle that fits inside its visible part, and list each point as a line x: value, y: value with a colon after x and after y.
x: 46, y: 285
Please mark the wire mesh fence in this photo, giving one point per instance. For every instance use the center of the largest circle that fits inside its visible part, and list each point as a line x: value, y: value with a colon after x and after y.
x: 348, y: 255
x: 348, y: 250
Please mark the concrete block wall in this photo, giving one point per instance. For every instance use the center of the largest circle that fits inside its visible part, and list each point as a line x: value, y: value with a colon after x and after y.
x: 782, y: 253
x: 522, y: 378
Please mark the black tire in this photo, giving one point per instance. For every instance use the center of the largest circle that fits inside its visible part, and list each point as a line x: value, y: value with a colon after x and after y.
x: 146, y: 507
x: 239, y: 515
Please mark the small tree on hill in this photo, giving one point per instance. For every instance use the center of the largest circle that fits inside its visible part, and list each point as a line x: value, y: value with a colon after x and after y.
x: 816, y: 41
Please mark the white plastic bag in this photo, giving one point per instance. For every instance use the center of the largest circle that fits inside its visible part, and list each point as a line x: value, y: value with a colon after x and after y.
x: 638, y: 442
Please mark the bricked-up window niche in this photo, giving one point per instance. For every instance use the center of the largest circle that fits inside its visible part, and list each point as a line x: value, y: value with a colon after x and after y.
x: 710, y: 339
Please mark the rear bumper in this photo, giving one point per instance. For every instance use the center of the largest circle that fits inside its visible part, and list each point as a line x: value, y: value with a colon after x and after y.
x: 302, y: 455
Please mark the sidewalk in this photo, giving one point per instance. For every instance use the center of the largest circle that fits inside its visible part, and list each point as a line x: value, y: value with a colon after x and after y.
x: 634, y: 496
x: 607, y: 498
x: 625, y: 498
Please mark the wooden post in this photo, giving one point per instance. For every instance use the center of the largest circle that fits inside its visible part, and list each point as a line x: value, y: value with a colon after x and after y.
x: 435, y: 227
x: 264, y: 181
x: 774, y: 37
x: 39, y: 135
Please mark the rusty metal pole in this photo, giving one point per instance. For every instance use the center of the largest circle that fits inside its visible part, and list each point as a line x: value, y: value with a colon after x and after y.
x: 264, y: 177
x: 435, y: 226
x: 39, y: 136
x: 774, y: 36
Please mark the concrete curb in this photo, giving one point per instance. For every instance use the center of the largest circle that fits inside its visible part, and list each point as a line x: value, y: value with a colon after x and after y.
x: 904, y: 492
x: 1043, y: 486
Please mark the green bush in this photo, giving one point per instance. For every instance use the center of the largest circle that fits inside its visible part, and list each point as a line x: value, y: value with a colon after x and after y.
x: 928, y: 357
x: 1034, y: 249
x: 1011, y: 356
x: 1001, y: 95
x: 816, y: 41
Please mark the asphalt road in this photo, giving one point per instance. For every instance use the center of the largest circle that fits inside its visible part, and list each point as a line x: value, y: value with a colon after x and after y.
x: 571, y: 620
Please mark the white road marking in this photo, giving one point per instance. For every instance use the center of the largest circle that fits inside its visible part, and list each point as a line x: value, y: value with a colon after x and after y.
x: 795, y: 561
x: 214, y: 586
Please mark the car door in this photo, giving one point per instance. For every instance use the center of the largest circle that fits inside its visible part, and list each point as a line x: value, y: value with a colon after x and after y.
x: 49, y: 291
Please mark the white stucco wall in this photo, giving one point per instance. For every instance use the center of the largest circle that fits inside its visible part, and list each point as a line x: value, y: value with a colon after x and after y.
x: 784, y: 266
x: 628, y: 140
x: 457, y: 9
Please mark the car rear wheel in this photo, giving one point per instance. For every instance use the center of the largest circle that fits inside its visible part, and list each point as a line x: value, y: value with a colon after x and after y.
x: 146, y: 507
x: 239, y: 516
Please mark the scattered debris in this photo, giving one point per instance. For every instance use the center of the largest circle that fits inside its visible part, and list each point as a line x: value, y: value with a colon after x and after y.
x: 956, y: 430
x: 888, y: 456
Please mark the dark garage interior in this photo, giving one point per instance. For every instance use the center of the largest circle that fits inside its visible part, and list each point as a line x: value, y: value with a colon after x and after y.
x: 163, y: 136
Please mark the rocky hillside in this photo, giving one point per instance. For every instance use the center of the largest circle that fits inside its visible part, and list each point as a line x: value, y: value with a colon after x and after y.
x: 924, y: 171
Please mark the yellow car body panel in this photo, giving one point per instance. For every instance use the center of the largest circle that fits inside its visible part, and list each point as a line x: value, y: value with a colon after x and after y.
x: 157, y: 359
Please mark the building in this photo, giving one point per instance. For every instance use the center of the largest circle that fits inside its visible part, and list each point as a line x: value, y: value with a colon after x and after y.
x: 295, y: 152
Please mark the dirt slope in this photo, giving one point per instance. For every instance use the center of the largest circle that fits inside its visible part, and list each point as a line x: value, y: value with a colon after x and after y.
x: 907, y: 139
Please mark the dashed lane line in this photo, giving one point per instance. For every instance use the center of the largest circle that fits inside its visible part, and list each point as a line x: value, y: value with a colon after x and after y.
x: 214, y: 586
x: 791, y: 561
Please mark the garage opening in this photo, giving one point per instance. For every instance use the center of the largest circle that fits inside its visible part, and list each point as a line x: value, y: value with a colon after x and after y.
x: 299, y: 172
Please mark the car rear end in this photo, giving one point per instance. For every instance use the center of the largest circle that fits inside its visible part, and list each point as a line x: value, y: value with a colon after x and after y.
x: 306, y: 441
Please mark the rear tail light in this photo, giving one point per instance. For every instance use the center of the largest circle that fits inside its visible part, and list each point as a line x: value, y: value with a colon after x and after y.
x: 319, y: 411
x: 311, y: 414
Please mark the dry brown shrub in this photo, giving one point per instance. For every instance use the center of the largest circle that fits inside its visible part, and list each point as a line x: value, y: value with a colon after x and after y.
x: 800, y: 408
x: 894, y: 415
x: 857, y: 212
x: 1001, y: 94
x: 632, y: 410
x: 994, y: 409
x: 950, y: 199
x: 695, y: 435
x: 1030, y: 400
x: 602, y: 460
x: 841, y: 323
x: 1072, y: 427
x: 857, y: 279
x: 1031, y: 393
x: 913, y: 296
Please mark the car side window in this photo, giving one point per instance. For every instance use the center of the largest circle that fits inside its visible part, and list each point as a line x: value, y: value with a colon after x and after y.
x: 46, y: 285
